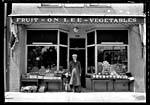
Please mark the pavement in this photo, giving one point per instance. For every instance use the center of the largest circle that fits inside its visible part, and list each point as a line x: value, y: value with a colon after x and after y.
x: 68, y: 97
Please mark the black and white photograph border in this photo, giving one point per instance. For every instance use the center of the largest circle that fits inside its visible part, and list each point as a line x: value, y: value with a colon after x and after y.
x: 75, y: 52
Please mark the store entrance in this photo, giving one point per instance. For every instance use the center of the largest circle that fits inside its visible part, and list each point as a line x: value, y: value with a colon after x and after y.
x: 78, y: 46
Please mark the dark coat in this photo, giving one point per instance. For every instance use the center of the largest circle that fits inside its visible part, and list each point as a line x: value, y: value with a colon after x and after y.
x: 75, y: 70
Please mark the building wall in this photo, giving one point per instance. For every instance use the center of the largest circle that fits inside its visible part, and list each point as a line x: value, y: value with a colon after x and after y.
x: 22, y: 37
x: 17, y: 60
x: 14, y: 69
x: 136, y: 61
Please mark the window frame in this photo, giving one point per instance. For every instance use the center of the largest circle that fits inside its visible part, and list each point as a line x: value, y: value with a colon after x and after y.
x: 91, y: 45
x: 96, y: 45
x: 40, y: 44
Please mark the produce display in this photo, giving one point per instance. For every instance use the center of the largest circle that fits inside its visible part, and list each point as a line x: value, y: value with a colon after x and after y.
x: 102, y: 76
x: 43, y: 74
x: 114, y: 71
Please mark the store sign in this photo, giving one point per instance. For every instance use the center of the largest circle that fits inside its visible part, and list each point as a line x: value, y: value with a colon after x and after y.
x: 78, y: 20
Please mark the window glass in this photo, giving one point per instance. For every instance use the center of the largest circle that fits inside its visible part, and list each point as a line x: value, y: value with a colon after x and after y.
x: 63, y: 38
x: 91, y: 59
x: 63, y: 57
x: 112, y: 36
x: 91, y: 38
x: 113, y: 56
x: 42, y: 50
x: 42, y: 36
x: 41, y: 56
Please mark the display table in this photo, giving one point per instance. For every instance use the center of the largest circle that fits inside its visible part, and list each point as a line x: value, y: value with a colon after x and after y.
x: 51, y: 81
x: 111, y: 84
x: 28, y: 80
x: 36, y: 81
x: 93, y: 81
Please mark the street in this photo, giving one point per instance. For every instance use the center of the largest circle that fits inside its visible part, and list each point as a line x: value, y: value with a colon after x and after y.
x: 75, y: 97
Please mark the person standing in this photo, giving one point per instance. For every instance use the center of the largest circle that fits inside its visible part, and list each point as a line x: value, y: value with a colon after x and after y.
x: 75, y: 70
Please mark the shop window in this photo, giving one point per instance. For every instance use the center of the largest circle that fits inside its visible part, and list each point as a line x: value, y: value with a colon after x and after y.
x: 91, y: 59
x: 42, y: 36
x: 114, y: 57
x: 63, y: 38
x: 91, y: 38
x: 39, y: 56
x: 42, y: 50
x: 112, y: 36
x: 63, y: 57
x: 112, y: 51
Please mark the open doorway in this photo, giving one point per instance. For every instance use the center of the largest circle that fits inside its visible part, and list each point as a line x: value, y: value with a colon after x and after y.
x: 78, y: 46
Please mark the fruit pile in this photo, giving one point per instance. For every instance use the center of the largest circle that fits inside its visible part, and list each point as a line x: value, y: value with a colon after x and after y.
x: 102, y: 76
x: 111, y: 70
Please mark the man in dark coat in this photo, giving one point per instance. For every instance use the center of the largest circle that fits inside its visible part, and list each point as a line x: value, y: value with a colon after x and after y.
x: 75, y: 70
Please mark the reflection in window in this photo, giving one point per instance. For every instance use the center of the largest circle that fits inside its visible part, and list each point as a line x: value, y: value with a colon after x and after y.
x: 91, y: 59
x: 114, y: 56
x: 39, y: 56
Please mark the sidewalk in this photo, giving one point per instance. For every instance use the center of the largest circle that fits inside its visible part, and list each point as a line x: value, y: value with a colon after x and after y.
x: 75, y: 97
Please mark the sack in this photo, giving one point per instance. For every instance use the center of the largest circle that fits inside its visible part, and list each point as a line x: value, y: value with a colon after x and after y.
x: 29, y: 89
x: 42, y: 89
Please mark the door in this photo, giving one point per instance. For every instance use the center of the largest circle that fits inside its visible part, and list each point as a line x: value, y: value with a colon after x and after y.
x: 77, y: 46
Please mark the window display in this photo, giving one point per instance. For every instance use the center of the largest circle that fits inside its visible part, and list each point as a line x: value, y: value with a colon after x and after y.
x: 111, y: 57
x: 41, y: 57
x: 42, y: 51
x: 112, y: 60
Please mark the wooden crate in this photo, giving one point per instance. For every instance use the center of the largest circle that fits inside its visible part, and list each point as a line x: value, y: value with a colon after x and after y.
x: 121, y: 85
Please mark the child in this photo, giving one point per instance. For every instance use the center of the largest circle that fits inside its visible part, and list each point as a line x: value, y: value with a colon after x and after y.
x: 66, y: 82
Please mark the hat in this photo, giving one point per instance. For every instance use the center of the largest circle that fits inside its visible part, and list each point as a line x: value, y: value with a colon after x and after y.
x: 74, y: 55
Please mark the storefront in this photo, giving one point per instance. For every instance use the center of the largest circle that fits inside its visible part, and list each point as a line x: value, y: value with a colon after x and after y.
x: 109, y: 49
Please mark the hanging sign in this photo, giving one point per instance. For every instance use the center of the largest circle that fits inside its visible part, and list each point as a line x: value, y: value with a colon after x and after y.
x: 89, y: 20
